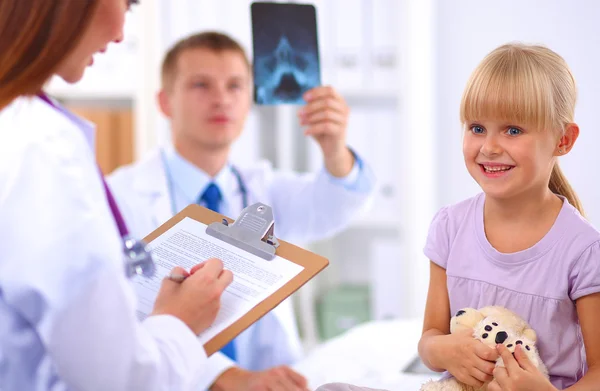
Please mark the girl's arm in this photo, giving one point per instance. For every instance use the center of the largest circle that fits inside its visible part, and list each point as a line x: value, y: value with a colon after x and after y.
x: 467, y: 359
x: 588, y: 311
x: 437, y: 318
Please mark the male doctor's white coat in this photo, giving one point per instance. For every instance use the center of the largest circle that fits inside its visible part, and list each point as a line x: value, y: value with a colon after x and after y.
x: 306, y: 207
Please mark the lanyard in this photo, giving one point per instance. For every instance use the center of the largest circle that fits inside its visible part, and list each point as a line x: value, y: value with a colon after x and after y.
x: 115, y: 210
x: 170, y: 186
x: 45, y: 98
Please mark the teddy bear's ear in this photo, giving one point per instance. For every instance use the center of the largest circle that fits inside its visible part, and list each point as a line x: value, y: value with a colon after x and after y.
x: 530, y: 334
x: 465, y: 312
x: 465, y: 318
x: 495, y: 311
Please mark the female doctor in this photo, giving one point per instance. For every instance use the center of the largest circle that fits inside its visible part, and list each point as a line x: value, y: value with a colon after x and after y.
x: 67, y: 311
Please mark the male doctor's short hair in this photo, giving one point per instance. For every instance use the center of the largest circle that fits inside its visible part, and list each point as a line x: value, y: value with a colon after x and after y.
x: 35, y: 36
x: 210, y: 40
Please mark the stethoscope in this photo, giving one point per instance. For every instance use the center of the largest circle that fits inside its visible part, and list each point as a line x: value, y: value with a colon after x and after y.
x: 170, y: 185
x: 138, y: 259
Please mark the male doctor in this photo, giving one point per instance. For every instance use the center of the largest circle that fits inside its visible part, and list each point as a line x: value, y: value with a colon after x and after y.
x: 206, y: 95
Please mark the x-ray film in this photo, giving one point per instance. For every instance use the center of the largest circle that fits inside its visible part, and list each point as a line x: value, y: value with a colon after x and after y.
x: 286, y: 52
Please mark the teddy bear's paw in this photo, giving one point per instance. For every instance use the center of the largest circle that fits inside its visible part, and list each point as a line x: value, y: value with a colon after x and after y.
x: 542, y: 367
x: 445, y: 385
x: 528, y: 347
x: 430, y: 385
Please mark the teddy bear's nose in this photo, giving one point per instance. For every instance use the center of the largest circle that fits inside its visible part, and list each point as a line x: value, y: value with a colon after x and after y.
x: 501, y: 337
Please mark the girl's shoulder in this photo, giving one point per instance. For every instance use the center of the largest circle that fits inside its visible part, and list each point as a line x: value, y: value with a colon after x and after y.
x: 446, y: 225
x: 456, y: 214
x: 576, y: 226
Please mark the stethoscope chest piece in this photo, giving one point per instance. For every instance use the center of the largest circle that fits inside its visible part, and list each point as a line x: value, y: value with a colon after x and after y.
x: 138, y: 258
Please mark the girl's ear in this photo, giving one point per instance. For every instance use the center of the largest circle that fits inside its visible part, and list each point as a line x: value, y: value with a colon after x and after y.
x: 567, y: 140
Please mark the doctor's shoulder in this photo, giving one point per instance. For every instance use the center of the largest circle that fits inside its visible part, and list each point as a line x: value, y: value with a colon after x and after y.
x: 263, y: 173
x: 149, y: 167
x: 122, y: 176
x: 18, y: 126
x: 31, y: 133
x: 260, y: 172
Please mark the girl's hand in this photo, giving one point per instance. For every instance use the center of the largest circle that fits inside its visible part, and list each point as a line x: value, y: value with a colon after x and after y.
x: 468, y: 359
x: 519, y: 374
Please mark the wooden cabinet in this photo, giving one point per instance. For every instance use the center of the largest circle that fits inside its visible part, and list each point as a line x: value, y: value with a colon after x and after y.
x: 114, y: 134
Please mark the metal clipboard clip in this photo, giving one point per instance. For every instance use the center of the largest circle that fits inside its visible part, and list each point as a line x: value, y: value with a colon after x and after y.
x: 253, y: 231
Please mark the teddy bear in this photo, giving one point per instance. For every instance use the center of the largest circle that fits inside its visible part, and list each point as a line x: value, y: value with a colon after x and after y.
x: 491, y: 325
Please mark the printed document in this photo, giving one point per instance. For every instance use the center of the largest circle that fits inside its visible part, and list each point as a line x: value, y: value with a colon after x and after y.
x: 187, y: 244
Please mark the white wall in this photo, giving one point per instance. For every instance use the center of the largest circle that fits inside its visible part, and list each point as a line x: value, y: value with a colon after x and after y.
x: 468, y: 30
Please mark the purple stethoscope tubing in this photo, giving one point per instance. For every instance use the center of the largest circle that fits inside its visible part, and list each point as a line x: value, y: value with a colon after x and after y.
x: 138, y: 258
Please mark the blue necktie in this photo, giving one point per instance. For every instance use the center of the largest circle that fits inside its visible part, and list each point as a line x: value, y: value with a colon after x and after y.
x: 211, y: 198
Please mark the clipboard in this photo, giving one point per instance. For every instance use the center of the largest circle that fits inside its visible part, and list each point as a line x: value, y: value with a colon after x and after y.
x: 253, y: 232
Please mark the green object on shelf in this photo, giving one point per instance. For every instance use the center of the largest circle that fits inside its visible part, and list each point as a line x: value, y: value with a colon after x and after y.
x: 342, y: 308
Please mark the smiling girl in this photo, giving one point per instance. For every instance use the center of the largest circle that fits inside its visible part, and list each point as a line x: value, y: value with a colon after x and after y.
x: 523, y: 242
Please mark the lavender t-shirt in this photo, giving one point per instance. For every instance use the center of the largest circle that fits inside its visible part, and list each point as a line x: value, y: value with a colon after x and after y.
x: 540, y: 283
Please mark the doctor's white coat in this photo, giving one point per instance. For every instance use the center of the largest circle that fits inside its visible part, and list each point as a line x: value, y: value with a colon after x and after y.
x: 67, y: 311
x: 306, y: 207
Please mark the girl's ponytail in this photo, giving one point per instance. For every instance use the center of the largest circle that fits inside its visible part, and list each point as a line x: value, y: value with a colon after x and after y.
x: 559, y: 185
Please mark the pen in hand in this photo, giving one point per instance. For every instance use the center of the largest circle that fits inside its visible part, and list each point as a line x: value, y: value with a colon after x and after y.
x: 179, y: 274
x: 177, y: 277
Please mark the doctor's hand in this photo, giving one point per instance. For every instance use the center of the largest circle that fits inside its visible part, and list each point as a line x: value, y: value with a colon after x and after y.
x: 325, y: 116
x: 196, y: 300
x: 274, y: 379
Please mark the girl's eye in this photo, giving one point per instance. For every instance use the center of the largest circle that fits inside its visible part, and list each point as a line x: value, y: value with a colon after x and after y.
x: 477, y: 129
x: 514, y: 131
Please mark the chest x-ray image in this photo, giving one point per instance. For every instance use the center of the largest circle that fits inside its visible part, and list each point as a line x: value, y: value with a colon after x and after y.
x: 286, y: 52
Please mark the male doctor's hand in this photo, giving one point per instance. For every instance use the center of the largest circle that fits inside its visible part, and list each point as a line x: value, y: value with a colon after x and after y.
x: 274, y: 379
x: 196, y: 300
x: 325, y: 117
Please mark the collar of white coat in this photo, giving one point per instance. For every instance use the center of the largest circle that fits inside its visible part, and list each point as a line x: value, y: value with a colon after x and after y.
x: 34, y: 109
x: 88, y: 128
x: 191, y: 182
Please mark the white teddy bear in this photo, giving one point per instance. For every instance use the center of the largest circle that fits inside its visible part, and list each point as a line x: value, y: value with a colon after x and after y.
x: 491, y: 325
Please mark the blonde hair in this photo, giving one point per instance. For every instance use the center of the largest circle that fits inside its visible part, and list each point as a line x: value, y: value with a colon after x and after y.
x: 525, y: 84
